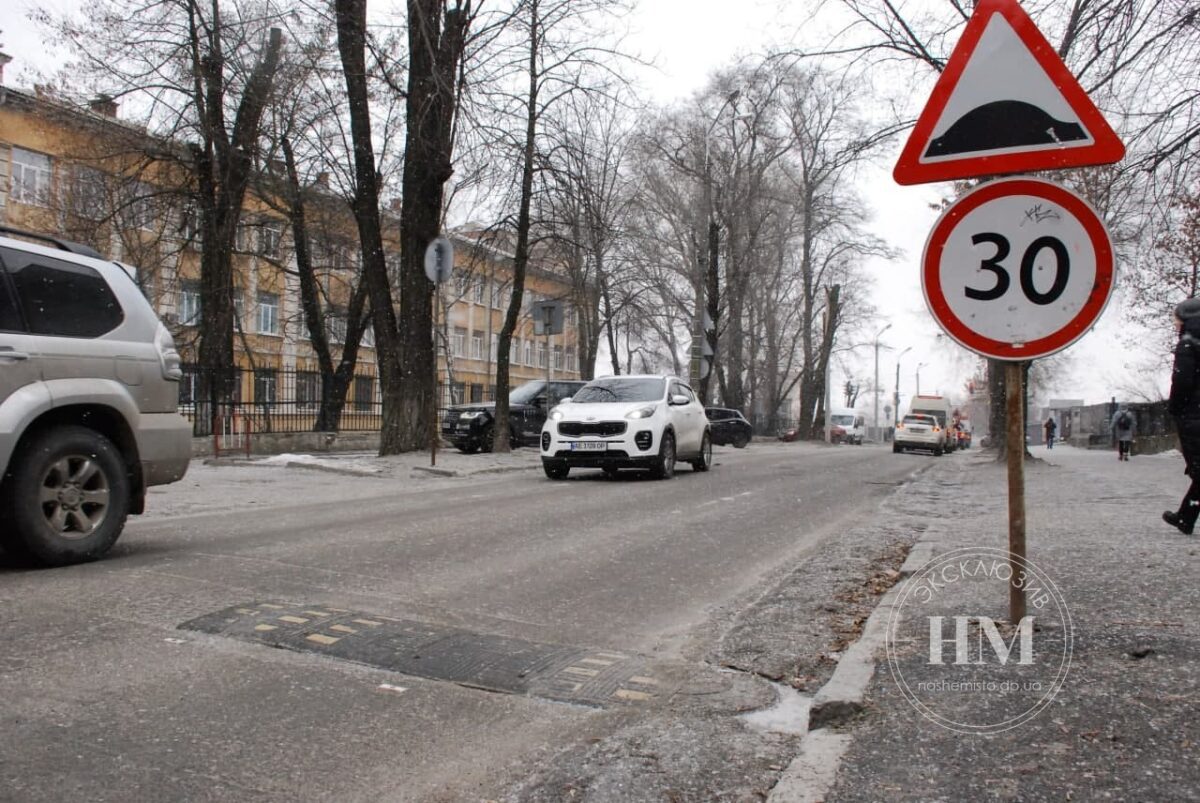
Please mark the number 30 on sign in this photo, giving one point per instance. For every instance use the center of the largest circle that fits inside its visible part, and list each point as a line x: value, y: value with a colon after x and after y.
x: 1017, y: 269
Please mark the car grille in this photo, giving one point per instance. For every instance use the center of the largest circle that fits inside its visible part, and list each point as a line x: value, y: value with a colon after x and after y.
x: 604, y: 429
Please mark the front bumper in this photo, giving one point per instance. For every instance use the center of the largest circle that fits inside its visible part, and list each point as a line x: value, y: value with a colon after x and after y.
x: 636, y: 447
x: 910, y: 442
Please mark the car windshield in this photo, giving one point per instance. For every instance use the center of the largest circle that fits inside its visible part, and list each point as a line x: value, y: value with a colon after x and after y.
x: 525, y: 394
x: 843, y: 420
x: 919, y: 419
x: 621, y: 389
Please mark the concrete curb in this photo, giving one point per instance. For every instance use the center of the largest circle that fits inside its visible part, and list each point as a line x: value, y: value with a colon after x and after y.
x: 810, y: 775
x: 453, y: 472
x: 345, y: 472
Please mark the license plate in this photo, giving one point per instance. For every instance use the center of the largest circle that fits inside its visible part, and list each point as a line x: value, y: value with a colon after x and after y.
x: 589, y: 446
x: 917, y: 429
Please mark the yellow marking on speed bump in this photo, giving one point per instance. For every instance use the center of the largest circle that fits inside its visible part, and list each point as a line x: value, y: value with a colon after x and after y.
x: 295, y: 620
x: 643, y: 680
x: 271, y: 606
x: 342, y: 629
x: 246, y: 610
x: 596, y: 662
x: 626, y: 694
x: 579, y: 670
x: 315, y: 613
x: 367, y: 622
x: 322, y: 639
x: 616, y: 656
x: 265, y: 628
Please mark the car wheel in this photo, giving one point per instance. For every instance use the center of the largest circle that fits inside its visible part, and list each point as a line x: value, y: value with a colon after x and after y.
x: 740, y: 440
x: 468, y: 447
x: 938, y: 452
x: 896, y: 448
x: 67, y: 495
x: 556, y: 471
x: 704, y: 461
x: 664, y: 467
x: 487, y: 439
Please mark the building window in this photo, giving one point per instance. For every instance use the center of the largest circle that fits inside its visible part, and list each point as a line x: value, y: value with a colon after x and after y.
x: 462, y: 284
x: 87, y: 193
x: 137, y: 210
x: 558, y: 358
x: 529, y: 352
x: 336, y: 324
x: 268, y: 314
x: 308, y: 390
x: 495, y: 348
x: 264, y: 386
x: 189, y: 387
x: 30, y: 177
x: 477, y: 345
x: 514, y: 351
x: 541, y: 355
x: 270, y: 235
x: 571, y: 359
x: 458, y: 342
x: 478, y: 290
x: 189, y: 303
x: 476, y: 393
x: 190, y: 228
x: 364, y: 394
x: 457, y: 392
x: 243, y: 241
x: 499, y: 291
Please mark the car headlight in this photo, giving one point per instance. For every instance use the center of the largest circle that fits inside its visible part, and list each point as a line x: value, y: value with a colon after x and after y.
x: 469, y: 415
x: 556, y: 414
x: 642, y: 412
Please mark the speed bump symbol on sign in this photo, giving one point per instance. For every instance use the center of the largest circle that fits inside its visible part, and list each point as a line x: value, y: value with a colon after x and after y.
x: 1017, y: 269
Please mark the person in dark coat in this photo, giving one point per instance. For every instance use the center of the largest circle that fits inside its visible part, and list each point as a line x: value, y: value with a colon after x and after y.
x: 1184, y: 406
x: 1051, y: 426
x: 1124, y: 427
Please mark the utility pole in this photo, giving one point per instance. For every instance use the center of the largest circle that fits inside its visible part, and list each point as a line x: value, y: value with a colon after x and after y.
x: 896, y: 398
x: 920, y: 365
x: 875, y: 387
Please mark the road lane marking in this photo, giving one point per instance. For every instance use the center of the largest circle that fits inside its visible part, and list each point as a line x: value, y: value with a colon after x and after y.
x: 294, y: 620
x: 643, y: 681
x: 627, y: 694
x: 582, y: 672
x: 265, y: 628
x: 367, y: 622
x: 597, y: 662
x: 342, y: 629
x: 320, y: 638
x: 393, y: 689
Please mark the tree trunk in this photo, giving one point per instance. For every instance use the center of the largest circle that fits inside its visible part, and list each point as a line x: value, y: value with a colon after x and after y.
x: 521, y: 251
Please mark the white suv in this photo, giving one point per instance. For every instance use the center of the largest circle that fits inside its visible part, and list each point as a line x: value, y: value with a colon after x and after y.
x: 619, y: 422
x: 89, y: 390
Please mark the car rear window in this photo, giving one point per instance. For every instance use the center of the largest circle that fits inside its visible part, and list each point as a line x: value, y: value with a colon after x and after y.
x: 62, y: 298
x: 622, y: 389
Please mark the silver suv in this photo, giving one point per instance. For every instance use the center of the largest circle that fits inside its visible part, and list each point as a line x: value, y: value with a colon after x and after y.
x: 89, y: 386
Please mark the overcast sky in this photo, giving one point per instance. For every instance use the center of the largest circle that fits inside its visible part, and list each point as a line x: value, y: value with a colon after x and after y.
x: 688, y: 40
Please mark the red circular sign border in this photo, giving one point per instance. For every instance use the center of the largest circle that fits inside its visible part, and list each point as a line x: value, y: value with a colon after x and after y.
x: 1044, y: 346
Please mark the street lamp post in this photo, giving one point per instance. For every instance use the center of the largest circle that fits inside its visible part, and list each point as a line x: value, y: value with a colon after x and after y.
x: 920, y: 365
x: 896, y: 399
x: 875, y: 387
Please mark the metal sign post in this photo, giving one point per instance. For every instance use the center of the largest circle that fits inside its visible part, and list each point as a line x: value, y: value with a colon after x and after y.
x: 1015, y: 412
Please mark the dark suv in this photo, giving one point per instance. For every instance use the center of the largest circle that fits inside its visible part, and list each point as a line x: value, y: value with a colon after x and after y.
x: 470, y: 427
x: 728, y: 427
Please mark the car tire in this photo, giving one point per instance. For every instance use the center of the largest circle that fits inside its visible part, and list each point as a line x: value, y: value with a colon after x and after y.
x: 740, y: 440
x: 487, y: 439
x: 938, y: 452
x: 469, y: 447
x: 704, y: 461
x: 555, y: 470
x: 896, y: 448
x: 664, y: 466
x: 61, y: 481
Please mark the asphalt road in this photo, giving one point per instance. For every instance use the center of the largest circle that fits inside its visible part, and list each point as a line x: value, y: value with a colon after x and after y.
x: 104, y: 697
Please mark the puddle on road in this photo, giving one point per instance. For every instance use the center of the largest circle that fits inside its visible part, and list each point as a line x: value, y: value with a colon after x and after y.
x: 789, y: 714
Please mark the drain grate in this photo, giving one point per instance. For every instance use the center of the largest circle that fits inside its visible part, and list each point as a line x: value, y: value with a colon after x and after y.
x: 476, y: 660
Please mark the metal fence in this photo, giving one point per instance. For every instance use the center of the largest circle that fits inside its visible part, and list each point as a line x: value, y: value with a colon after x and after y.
x: 267, y: 400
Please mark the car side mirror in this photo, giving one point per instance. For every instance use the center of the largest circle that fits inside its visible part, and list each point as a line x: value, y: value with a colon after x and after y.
x: 678, y: 400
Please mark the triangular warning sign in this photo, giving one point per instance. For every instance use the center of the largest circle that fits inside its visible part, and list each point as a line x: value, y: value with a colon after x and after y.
x: 1005, y: 103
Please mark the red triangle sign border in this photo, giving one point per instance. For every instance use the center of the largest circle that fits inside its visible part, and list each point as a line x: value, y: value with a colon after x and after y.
x: 1105, y: 148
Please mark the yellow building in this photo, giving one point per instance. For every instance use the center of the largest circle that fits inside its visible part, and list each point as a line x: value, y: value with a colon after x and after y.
x: 85, y: 175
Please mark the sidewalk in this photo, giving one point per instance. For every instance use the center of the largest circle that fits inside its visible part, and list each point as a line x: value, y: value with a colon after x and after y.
x: 1123, y: 725
x: 449, y: 463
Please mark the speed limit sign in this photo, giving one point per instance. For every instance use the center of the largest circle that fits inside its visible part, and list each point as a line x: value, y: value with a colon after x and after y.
x: 1017, y: 269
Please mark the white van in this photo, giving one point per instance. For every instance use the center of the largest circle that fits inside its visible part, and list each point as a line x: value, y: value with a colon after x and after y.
x: 847, y: 426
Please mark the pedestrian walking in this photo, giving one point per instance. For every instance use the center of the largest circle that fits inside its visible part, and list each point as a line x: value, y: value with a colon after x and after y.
x: 1184, y: 405
x: 1051, y: 427
x: 1124, y: 426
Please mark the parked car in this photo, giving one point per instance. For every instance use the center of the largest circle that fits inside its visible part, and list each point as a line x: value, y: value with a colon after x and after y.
x: 920, y: 431
x: 89, y: 391
x: 617, y: 422
x: 471, y: 427
x: 728, y: 427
